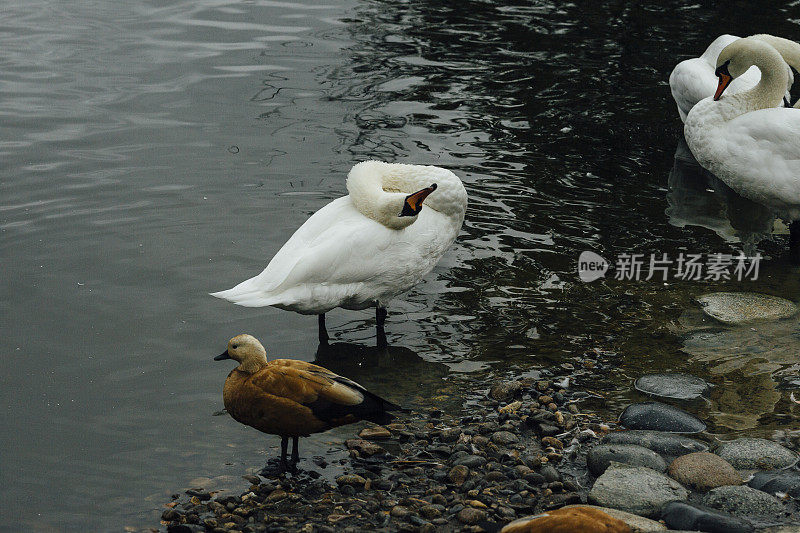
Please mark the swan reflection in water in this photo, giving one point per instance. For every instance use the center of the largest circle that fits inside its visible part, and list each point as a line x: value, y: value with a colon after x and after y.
x: 698, y: 198
x: 397, y: 369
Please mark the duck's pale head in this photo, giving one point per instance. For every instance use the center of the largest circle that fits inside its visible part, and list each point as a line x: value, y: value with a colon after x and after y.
x: 247, y: 351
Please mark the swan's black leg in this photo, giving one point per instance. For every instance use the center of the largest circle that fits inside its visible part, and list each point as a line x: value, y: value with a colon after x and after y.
x: 295, y: 452
x: 381, y: 339
x: 323, y: 332
x: 284, y: 446
x: 380, y: 316
x: 794, y: 242
x: 786, y: 102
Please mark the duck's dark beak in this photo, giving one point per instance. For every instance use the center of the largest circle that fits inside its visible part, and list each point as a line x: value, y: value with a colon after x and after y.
x: 725, y: 79
x: 413, y: 203
x: 221, y: 357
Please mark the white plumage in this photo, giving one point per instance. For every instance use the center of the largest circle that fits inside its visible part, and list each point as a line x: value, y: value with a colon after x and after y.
x: 743, y: 139
x: 358, y: 251
x: 693, y: 79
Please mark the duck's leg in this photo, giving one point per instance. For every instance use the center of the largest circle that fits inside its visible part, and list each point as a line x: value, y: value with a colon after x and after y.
x: 794, y: 242
x: 284, y: 446
x: 323, y: 331
x: 295, y: 452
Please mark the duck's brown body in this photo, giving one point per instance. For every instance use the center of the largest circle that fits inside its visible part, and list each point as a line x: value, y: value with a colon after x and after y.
x: 293, y: 398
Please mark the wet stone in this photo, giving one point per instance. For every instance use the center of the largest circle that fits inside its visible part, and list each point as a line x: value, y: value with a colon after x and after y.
x: 672, y: 385
x: 504, y: 438
x: 572, y: 518
x: 690, y: 517
x: 470, y: 515
x: 601, y: 456
x: 635, y: 489
x: 703, y: 471
x: 660, y: 417
x: 662, y: 443
x: 503, y: 391
x: 787, y: 482
x: 375, y: 433
x: 743, y: 501
x: 458, y: 474
x: 351, y: 479
x: 364, y: 447
x: 471, y: 461
x: 756, y: 454
x: 745, y: 307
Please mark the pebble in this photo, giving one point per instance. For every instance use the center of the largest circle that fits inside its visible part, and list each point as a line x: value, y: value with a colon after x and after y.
x: 588, y: 519
x: 745, y: 307
x: 685, y: 516
x: 676, y: 386
x: 756, y: 454
x: 635, y: 489
x: 458, y: 474
x: 703, y: 471
x: 660, y: 417
x: 470, y: 515
x: 666, y: 444
x: 375, y: 433
x: 504, y: 438
x: 786, y: 482
x: 471, y: 461
x: 364, y: 447
x: 743, y: 501
x: 503, y: 391
x: 601, y: 456
x: 350, y: 479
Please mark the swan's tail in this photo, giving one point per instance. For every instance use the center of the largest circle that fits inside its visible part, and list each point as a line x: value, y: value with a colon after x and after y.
x: 249, y: 294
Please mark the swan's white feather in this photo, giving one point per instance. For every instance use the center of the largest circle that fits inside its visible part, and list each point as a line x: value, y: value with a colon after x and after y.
x: 341, y: 258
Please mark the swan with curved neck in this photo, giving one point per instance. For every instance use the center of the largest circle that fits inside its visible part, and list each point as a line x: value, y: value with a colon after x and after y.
x: 693, y: 79
x: 363, y: 249
x: 747, y: 142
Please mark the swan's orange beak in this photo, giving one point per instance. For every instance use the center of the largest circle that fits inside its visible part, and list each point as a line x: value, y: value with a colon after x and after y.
x: 725, y: 79
x: 413, y: 203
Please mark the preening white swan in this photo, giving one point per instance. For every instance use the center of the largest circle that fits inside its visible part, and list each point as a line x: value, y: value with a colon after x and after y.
x: 363, y: 249
x: 745, y: 140
x: 693, y: 79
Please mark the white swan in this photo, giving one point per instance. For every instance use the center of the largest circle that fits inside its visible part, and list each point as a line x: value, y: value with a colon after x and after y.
x: 746, y: 141
x: 363, y: 249
x: 693, y: 79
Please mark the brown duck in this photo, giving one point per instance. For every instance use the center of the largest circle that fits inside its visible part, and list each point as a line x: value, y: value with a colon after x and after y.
x: 293, y: 398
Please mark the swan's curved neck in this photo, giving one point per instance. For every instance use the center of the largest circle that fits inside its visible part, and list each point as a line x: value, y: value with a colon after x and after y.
x: 789, y: 50
x: 375, y: 188
x: 774, y: 78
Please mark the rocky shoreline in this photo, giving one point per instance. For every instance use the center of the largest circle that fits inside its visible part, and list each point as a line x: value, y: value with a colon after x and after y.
x: 525, y: 448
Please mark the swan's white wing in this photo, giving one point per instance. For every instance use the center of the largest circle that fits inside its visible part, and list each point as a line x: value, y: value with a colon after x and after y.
x: 760, y: 152
x: 691, y: 81
x: 339, y: 255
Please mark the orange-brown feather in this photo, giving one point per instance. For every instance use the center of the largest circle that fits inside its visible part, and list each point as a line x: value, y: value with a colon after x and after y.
x: 276, y: 398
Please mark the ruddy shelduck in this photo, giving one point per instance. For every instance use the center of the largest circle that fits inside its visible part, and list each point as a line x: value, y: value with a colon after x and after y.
x: 293, y: 398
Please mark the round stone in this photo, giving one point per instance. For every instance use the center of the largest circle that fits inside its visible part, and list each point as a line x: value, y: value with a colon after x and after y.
x: 744, y: 307
x: 756, y: 454
x: 703, y: 471
x: 635, y: 489
x: 660, y: 417
x: 744, y: 501
x: 672, y: 385
x: 667, y: 444
x: 601, y: 456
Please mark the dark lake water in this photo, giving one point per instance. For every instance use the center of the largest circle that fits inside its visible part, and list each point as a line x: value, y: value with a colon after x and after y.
x: 152, y: 152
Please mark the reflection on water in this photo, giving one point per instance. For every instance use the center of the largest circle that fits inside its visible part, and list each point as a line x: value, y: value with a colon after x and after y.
x: 698, y: 198
x: 153, y: 153
x: 748, y: 360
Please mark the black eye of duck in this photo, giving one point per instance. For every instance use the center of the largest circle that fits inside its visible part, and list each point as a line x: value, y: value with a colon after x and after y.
x: 234, y: 346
